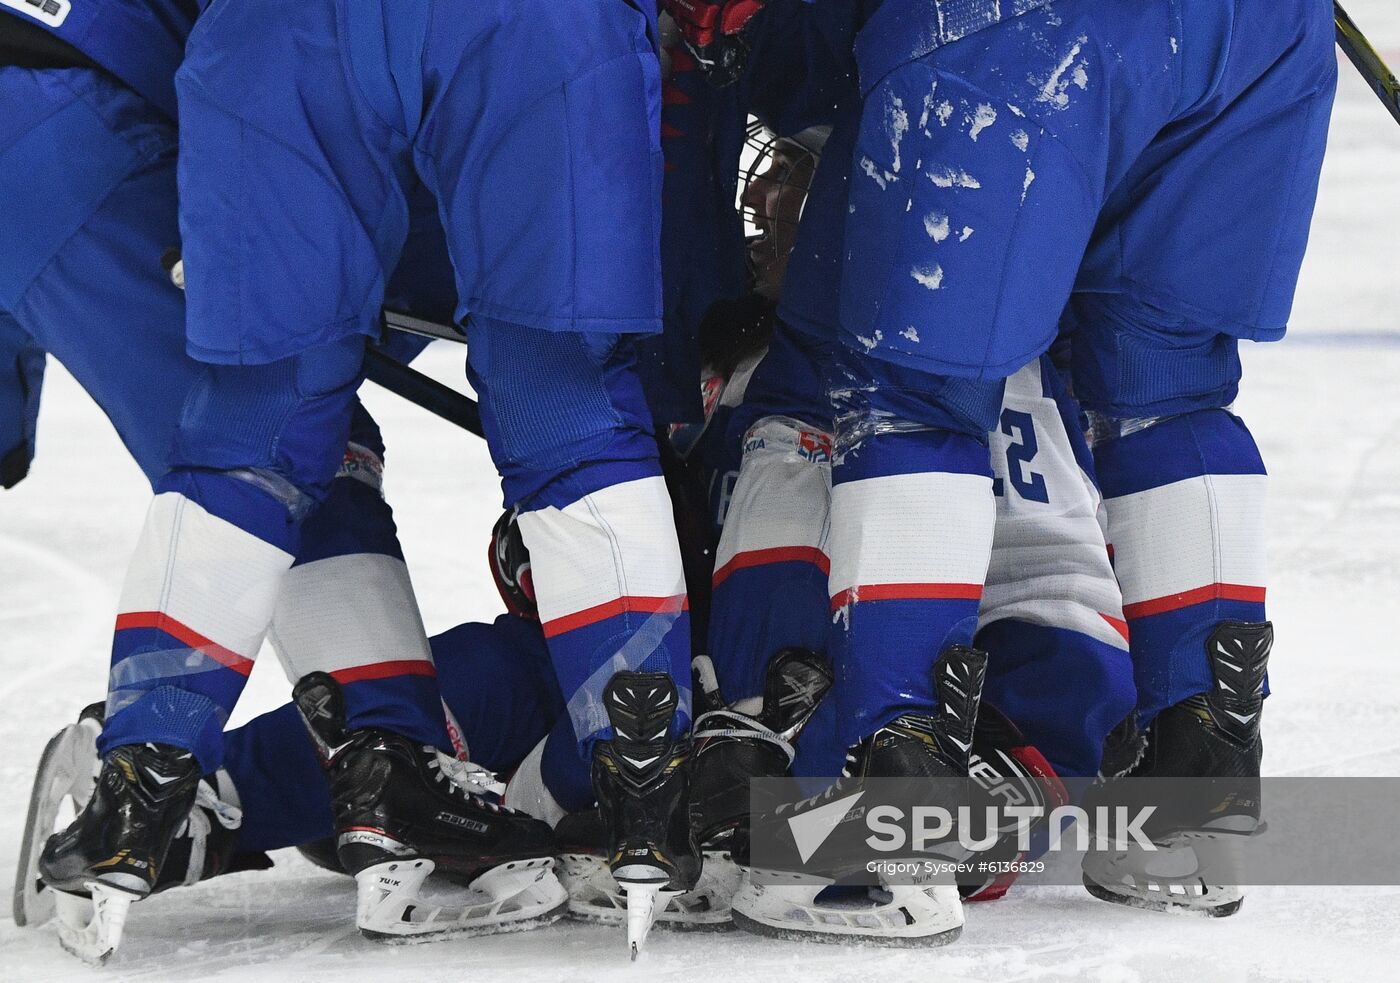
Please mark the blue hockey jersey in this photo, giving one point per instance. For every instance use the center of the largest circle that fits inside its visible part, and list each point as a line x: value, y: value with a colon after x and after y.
x: 141, y: 42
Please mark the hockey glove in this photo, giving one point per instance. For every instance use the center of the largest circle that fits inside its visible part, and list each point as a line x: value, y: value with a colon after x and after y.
x: 1007, y: 767
x: 510, y: 567
x: 714, y: 33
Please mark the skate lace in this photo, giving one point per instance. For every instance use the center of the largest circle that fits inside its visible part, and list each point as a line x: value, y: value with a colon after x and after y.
x: 197, y: 827
x: 711, y: 725
x: 467, y: 778
x: 834, y: 790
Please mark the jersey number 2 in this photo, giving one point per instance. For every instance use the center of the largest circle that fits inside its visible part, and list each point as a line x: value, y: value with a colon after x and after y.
x: 1019, y: 455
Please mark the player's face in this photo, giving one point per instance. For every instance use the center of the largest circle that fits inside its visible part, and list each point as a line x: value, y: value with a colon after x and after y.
x: 775, y: 197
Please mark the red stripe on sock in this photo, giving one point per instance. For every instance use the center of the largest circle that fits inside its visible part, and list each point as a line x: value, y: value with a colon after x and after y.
x: 1121, y: 627
x: 161, y: 621
x: 778, y: 554
x: 908, y: 592
x: 623, y: 605
x: 1175, y: 602
x: 385, y: 670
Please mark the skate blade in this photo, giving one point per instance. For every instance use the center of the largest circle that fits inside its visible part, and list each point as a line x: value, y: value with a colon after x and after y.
x: 897, y: 915
x: 1221, y: 906
x: 1167, y: 880
x: 596, y: 897
x: 91, y: 928
x: 512, y: 897
x: 63, y: 783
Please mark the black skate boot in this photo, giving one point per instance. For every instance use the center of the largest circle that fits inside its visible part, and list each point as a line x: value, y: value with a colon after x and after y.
x: 641, y: 782
x: 734, y: 745
x: 595, y: 895
x: 729, y: 747
x: 403, y: 811
x: 205, y: 845
x: 115, y: 850
x: 323, y: 854
x: 802, y: 904
x: 583, y: 869
x: 1213, y: 735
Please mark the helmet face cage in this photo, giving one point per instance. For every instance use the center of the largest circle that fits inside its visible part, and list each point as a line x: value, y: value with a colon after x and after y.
x: 772, y: 168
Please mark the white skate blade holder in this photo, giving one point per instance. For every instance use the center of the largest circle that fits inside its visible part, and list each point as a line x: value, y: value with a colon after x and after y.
x: 595, y: 896
x: 643, y: 887
x: 91, y: 928
x: 392, y: 904
x: 895, y: 915
x: 63, y: 783
x: 1172, y: 878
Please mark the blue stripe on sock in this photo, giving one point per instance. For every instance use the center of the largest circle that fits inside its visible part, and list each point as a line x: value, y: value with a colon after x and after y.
x: 1200, y: 443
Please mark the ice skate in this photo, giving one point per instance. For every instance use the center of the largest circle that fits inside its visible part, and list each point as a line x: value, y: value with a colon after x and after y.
x: 811, y: 905
x: 204, y: 845
x: 404, y: 812
x: 641, y: 782
x: 595, y: 895
x: 734, y: 745
x: 1210, y: 735
x: 115, y: 850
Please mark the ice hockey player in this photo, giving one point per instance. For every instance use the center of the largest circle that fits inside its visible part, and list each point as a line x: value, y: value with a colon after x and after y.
x: 285, y: 279
x: 1052, y: 604
x: 255, y: 448
x: 1052, y: 611
x: 1110, y: 170
x: 268, y: 793
x: 87, y: 286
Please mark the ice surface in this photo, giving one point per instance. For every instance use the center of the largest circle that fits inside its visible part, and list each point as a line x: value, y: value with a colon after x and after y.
x: 1323, y: 407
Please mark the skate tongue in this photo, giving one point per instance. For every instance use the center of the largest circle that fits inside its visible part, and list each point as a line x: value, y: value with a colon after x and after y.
x: 796, y: 683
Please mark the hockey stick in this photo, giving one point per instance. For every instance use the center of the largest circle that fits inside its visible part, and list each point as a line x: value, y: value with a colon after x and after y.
x: 400, y: 321
x: 439, y: 400
x: 1368, y: 62
x: 389, y: 373
x: 401, y: 380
